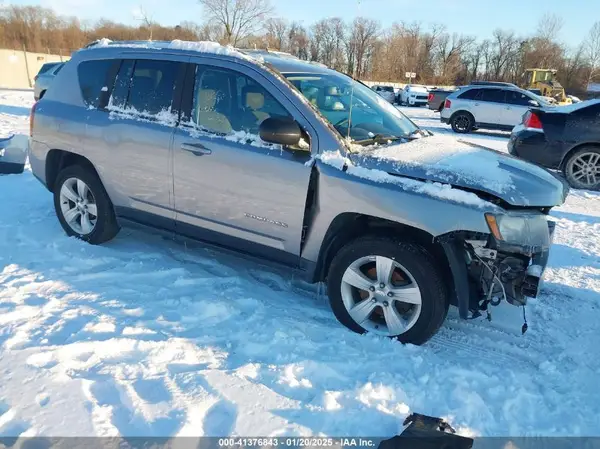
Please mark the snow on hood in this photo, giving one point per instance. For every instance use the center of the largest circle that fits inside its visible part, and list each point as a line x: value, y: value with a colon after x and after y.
x: 433, y: 189
x: 573, y: 107
x: 440, y: 154
x: 446, y: 160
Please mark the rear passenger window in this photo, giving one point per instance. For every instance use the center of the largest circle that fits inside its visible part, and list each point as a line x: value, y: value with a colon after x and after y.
x: 493, y: 95
x: 145, y: 85
x: 92, y: 78
x: 152, y: 86
x: 470, y: 94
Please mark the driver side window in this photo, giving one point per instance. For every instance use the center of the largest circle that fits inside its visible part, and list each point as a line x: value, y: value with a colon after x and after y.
x: 225, y: 101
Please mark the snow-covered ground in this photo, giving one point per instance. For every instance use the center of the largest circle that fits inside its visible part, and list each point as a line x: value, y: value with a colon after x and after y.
x: 144, y: 336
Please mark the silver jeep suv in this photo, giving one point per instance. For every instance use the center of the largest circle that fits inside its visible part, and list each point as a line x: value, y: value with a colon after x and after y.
x: 298, y: 165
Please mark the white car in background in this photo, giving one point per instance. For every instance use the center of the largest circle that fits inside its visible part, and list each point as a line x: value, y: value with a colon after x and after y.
x: 386, y: 92
x: 488, y: 106
x: 414, y: 95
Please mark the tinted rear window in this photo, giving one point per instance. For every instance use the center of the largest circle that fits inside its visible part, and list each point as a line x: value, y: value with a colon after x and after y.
x: 145, y: 85
x: 46, y: 67
x: 470, y: 94
x: 92, y: 78
x: 387, y: 88
x: 493, y: 95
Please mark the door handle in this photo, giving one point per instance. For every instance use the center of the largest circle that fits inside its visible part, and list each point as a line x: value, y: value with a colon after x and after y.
x: 476, y: 104
x: 197, y: 149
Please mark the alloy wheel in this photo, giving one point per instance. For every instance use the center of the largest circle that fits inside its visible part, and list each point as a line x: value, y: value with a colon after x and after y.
x: 585, y: 169
x: 381, y: 295
x: 78, y: 206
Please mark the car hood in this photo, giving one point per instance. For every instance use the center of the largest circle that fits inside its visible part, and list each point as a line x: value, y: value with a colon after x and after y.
x: 447, y: 160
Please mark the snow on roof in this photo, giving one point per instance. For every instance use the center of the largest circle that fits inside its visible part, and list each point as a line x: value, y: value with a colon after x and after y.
x: 196, y: 46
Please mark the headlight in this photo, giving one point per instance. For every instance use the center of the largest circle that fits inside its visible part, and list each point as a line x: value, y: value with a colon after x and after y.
x: 531, y: 230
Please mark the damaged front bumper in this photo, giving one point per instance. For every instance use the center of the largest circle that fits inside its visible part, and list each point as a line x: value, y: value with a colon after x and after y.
x: 486, y: 270
x: 13, y: 153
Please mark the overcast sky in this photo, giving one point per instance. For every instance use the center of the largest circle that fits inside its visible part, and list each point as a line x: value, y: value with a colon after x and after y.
x: 474, y: 17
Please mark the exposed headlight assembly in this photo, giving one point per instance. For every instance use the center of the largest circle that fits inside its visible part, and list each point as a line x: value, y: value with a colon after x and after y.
x: 522, y: 230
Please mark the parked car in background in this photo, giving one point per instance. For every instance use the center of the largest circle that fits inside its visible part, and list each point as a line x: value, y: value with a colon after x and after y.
x: 386, y: 92
x: 488, y: 106
x: 565, y: 138
x: 45, y: 78
x: 46, y: 67
x: 414, y: 95
x: 283, y: 153
x: 13, y: 153
x: 437, y: 97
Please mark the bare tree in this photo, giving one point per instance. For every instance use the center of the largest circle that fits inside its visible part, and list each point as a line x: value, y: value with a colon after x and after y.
x: 277, y: 33
x: 363, y: 34
x: 592, y: 52
x: 450, y: 52
x: 549, y: 26
x: 145, y: 18
x: 239, y: 18
x: 298, y: 41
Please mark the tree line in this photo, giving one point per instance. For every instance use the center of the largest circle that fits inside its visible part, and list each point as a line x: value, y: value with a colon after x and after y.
x: 361, y: 48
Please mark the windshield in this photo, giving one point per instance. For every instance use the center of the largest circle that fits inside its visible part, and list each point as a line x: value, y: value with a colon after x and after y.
x: 541, y: 100
x: 352, y: 108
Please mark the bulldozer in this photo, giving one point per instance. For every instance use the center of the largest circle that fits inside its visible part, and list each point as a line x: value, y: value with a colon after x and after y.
x: 544, y: 81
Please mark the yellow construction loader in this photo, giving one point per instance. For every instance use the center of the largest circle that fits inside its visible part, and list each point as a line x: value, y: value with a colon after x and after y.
x: 543, y: 81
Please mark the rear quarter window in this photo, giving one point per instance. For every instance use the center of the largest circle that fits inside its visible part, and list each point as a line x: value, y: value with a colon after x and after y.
x: 92, y: 79
x: 470, y: 94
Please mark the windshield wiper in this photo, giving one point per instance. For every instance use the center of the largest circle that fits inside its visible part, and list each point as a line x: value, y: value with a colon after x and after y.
x: 379, y: 138
x: 418, y: 133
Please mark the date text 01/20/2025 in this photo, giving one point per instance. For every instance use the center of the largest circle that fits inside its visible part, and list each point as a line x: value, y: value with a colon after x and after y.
x: 298, y: 442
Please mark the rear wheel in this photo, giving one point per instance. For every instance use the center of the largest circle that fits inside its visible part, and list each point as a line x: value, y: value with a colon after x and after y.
x: 462, y: 122
x: 582, y: 168
x: 83, y: 206
x: 387, y: 287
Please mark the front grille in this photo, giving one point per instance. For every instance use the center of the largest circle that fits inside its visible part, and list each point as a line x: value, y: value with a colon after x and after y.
x: 421, y: 97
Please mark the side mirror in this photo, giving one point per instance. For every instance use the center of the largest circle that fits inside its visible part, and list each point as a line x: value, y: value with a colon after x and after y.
x: 283, y: 131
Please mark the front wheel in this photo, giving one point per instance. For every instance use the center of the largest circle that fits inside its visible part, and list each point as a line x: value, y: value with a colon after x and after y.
x: 83, y: 206
x: 462, y: 122
x: 387, y: 287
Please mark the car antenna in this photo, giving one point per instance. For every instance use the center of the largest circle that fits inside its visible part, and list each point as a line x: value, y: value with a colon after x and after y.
x: 352, y: 89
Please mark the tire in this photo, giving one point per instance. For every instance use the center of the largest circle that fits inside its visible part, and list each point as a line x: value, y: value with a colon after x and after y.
x: 104, y: 226
x: 462, y: 122
x: 412, y: 264
x: 582, y: 168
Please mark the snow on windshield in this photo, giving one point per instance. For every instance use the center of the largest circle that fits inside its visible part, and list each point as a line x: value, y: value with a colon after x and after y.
x: 448, y: 158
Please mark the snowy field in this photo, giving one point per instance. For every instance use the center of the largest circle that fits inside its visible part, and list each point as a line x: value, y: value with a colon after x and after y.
x: 145, y: 336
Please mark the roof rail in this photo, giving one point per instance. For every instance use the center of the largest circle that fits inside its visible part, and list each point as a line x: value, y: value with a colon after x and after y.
x: 491, y: 83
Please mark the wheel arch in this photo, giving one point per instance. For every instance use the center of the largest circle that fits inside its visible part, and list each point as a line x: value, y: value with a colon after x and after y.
x: 461, y: 111
x: 576, y: 148
x: 348, y: 226
x: 58, y: 160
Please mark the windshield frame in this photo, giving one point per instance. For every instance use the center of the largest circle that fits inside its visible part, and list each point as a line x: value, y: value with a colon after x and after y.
x: 353, y: 82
